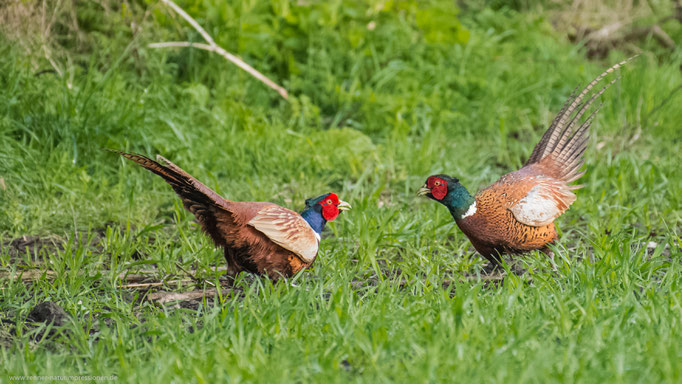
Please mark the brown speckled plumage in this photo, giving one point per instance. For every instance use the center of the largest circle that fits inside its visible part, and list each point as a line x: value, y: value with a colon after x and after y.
x: 494, y: 230
x: 516, y: 213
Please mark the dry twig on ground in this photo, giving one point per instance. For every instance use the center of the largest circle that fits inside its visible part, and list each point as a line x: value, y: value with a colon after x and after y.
x: 215, y: 48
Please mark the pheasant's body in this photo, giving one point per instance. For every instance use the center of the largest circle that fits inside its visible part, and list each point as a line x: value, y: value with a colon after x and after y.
x: 246, y: 248
x: 493, y: 229
x: 516, y: 214
x: 258, y: 237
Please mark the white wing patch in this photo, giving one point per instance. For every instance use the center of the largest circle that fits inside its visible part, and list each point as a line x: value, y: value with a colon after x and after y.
x: 544, y: 202
x: 289, y: 230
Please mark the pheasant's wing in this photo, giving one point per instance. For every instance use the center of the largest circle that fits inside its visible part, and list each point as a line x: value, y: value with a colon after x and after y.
x: 213, y: 212
x: 533, y: 197
x: 287, y: 229
x: 544, y: 200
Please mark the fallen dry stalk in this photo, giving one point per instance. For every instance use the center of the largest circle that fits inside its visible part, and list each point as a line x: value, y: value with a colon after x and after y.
x: 164, y: 297
x: 139, y: 280
x: 215, y: 48
x: 155, y: 284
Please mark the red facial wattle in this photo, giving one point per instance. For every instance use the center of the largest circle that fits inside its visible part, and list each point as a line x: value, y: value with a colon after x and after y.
x: 438, y: 187
x: 330, y: 211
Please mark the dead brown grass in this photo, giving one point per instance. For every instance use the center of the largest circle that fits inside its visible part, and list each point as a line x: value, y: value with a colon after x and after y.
x: 608, y: 24
x: 31, y: 25
x: 50, y: 33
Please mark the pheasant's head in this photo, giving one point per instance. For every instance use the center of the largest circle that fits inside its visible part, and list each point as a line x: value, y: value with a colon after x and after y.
x: 436, y: 187
x: 449, y: 192
x: 328, y: 205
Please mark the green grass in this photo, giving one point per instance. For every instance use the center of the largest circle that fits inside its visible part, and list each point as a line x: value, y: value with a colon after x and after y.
x: 373, y: 112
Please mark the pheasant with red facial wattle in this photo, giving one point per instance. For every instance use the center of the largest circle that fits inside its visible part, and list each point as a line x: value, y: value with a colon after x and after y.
x: 516, y: 214
x: 258, y: 237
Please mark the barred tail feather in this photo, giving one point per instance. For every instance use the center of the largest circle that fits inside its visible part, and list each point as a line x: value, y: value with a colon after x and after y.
x: 171, y: 177
x: 564, y: 145
x: 199, y: 199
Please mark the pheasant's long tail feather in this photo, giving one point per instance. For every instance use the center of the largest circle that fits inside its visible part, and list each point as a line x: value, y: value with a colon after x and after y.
x: 199, y: 199
x: 563, y: 144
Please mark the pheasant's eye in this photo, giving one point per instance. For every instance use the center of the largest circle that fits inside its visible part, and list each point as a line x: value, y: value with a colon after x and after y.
x: 329, y: 201
x: 437, y: 183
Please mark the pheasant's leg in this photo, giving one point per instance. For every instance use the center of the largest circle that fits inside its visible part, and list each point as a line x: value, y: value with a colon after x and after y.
x: 490, y: 254
x: 494, y: 264
x: 233, y: 268
x: 492, y: 268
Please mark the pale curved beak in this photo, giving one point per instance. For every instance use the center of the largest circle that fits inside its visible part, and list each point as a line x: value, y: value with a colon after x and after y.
x: 343, y: 206
x: 423, y: 191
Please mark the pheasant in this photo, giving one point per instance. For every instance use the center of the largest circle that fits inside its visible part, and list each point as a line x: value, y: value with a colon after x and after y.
x: 516, y: 214
x: 258, y: 237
